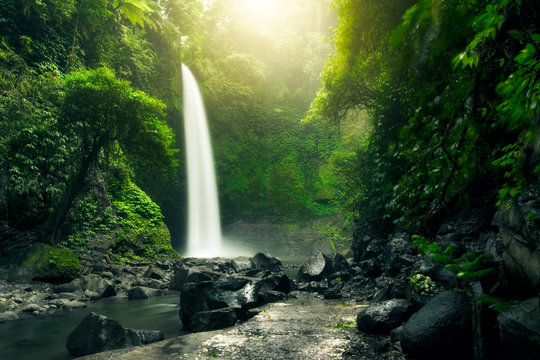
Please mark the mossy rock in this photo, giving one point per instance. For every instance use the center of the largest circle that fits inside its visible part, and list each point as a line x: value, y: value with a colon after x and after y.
x: 44, y: 263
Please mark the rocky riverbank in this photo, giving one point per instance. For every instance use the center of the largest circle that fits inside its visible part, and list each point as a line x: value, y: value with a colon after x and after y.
x: 136, y: 281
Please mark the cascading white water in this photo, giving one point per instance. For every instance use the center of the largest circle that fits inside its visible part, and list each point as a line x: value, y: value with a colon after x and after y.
x: 204, y: 227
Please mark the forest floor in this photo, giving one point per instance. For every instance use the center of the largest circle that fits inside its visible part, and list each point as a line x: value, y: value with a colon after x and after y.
x: 293, y: 329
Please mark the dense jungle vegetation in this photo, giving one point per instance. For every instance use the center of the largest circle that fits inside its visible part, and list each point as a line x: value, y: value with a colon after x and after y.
x: 426, y: 107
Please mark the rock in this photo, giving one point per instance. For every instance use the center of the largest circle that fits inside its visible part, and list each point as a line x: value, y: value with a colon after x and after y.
x: 99, y: 285
x: 438, y: 273
x: 397, y: 254
x: 231, y: 283
x: 381, y: 318
x: 97, y: 333
x: 370, y: 268
x: 242, y: 263
x: 266, y: 262
x: 441, y: 329
x: 374, y: 249
x: 91, y: 295
x: 339, y: 263
x: 316, y: 268
x: 214, y: 319
x: 197, y: 297
x: 154, y: 272
x: 32, y: 308
x: 8, y: 316
x: 519, y: 329
x: 334, y: 292
x: 188, y: 274
x: 74, y: 304
x: 65, y: 288
x: 141, y: 292
x: 107, y: 275
x: 519, y: 228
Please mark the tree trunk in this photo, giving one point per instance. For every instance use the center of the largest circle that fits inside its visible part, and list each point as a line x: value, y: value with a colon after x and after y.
x: 57, y: 219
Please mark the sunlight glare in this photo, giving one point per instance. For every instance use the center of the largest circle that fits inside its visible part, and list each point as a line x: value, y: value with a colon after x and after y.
x: 259, y: 9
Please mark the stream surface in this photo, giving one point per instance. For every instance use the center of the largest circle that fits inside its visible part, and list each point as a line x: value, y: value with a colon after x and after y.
x: 44, y: 336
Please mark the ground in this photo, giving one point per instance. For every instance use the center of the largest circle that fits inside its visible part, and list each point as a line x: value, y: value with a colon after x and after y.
x: 293, y: 329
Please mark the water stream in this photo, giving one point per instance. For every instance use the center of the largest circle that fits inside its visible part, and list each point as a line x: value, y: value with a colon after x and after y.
x: 44, y: 337
x: 204, y: 227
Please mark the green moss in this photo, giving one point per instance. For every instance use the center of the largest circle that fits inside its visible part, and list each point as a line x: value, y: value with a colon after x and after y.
x: 141, y: 234
x: 47, y: 263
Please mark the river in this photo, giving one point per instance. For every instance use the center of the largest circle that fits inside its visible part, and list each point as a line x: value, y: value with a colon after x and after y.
x: 44, y: 336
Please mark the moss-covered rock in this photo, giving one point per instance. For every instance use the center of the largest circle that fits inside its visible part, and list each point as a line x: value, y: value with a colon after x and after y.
x: 43, y: 262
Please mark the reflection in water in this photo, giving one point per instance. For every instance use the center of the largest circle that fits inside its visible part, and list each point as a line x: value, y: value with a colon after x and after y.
x: 44, y: 337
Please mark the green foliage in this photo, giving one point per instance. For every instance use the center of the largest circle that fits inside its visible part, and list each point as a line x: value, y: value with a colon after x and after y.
x: 495, y: 303
x: 450, y: 106
x: 468, y: 266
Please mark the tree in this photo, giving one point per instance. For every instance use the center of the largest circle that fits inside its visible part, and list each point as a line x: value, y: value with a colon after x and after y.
x: 97, y: 111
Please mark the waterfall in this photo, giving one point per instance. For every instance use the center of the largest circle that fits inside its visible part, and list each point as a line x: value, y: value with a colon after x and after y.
x: 204, y: 227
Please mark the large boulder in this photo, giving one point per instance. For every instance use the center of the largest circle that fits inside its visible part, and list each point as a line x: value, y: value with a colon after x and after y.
x: 316, y: 268
x: 266, y: 262
x: 519, y: 330
x: 97, y: 333
x: 441, y: 329
x: 188, y: 274
x: 213, y: 319
x: 382, y: 317
x: 339, y: 263
x: 197, y: 297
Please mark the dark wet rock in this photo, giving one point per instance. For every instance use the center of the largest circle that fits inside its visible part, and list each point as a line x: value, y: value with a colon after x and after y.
x: 213, y: 319
x: 141, y: 292
x: 319, y: 287
x: 242, y: 263
x: 96, y: 333
x: 519, y: 229
x: 370, y: 268
x: 155, y: 272
x: 285, y: 285
x: 381, y: 318
x: 334, y: 292
x: 243, y: 298
x: 438, y: 273
x: 231, y: 283
x: 374, y: 249
x: 8, y: 316
x: 197, y: 297
x: 519, y: 329
x: 271, y: 296
x: 359, y: 287
x: 339, y: 263
x: 440, y: 329
x: 266, y: 262
x: 65, y: 288
x: 397, y: 254
x: 96, y: 283
x: 316, y: 268
x: 188, y: 274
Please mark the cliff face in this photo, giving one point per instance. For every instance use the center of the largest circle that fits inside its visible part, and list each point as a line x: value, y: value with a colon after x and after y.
x: 519, y: 231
